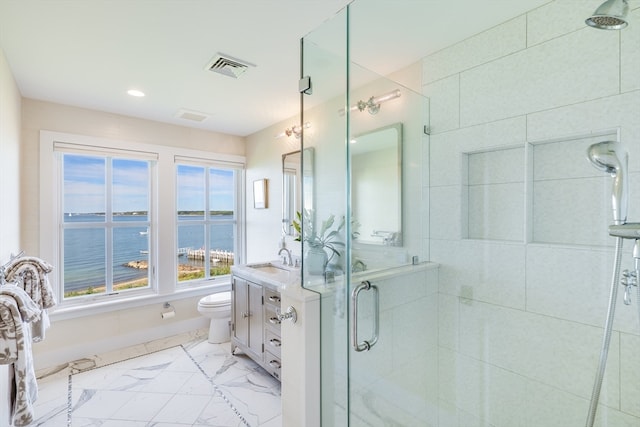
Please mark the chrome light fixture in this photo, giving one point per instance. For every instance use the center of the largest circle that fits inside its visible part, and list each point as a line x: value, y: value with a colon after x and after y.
x: 294, y: 130
x: 372, y: 105
x: 611, y: 15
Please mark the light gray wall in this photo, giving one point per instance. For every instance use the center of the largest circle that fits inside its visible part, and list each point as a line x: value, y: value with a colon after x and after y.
x: 10, y: 102
x: 264, y: 160
x: 70, y: 338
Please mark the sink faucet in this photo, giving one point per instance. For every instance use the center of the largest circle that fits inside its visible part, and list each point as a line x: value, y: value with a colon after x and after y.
x: 284, y: 259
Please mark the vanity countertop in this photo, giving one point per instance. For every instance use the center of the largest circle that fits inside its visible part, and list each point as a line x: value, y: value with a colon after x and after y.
x: 283, y: 278
x: 271, y: 273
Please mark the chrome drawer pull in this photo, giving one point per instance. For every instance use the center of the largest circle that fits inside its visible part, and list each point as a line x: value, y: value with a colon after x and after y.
x: 275, y: 364
x: 274, y: 298
x: 274, y: 320
x: 275, y: 342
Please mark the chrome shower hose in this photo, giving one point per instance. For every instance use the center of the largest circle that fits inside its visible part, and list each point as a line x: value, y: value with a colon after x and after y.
x: 606, y: 340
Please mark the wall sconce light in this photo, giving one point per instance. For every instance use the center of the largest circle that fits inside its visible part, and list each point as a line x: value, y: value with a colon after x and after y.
x: 294, y: 130
x: 373, y: 104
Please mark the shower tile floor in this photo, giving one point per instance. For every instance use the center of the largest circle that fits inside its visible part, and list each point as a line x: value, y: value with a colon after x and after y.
x: 191, y: 384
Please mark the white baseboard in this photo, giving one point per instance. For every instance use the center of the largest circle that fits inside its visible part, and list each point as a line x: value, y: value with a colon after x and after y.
x: 59, y: 358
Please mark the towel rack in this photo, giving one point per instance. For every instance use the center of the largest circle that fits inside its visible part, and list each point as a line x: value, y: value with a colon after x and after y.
x: 12, y: 257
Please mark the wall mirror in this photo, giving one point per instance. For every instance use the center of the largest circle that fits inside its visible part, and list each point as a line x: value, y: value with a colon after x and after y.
x: 376, y: 186
x: 297, y: 177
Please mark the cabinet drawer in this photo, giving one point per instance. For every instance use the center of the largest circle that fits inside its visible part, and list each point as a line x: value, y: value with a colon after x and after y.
x: 271, y: 297
x: 271, y: 318
x: 273, y: 364
x: 273, y: 342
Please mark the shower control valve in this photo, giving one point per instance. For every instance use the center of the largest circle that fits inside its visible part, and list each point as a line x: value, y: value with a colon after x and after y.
x: 629, y: 278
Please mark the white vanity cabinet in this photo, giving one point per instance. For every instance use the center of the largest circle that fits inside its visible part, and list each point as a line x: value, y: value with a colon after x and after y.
x: 247, y: 315
x: 291, y: 349
x: 255, y: 327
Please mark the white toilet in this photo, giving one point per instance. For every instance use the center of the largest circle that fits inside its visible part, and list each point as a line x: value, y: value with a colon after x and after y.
x: 217, y: 307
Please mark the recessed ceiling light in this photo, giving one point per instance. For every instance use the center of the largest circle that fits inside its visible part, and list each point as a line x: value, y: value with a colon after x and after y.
x: 135, y: 92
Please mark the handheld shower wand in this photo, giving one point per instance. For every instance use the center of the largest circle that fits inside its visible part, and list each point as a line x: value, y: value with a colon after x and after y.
x: 610, y: 157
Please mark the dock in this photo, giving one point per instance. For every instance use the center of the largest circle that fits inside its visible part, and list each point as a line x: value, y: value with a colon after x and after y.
x: 215, y: 255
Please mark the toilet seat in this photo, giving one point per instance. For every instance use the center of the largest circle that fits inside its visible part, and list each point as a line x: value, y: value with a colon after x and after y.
x: 220, y: 299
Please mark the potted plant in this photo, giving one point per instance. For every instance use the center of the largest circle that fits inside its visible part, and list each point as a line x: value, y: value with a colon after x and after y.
x: 319, y: 241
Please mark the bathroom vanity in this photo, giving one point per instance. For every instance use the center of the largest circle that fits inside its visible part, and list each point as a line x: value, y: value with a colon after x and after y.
x: 255, y: 308
x: 286, y: 349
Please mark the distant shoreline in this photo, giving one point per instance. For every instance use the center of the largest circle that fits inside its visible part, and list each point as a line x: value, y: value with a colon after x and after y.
x: 143, y: 213
x: 144, y: 265
x: 183, y: 270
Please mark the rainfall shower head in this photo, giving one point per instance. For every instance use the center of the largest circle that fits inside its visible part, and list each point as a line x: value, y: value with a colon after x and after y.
x: 611, y: 15
x: 610, y: 157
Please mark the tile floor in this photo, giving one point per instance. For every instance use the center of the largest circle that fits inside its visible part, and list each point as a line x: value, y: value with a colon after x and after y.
x: 191, y: 384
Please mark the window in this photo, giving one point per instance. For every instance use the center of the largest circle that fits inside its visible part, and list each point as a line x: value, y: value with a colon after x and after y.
x: 206, y: 221
x: 124, y: 223
x: 105, y: 224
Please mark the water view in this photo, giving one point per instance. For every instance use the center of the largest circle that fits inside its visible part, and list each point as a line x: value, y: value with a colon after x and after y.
x: 85, y: 258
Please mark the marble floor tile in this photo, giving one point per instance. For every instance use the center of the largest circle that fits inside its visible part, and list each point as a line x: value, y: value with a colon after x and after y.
x: 193, y: 383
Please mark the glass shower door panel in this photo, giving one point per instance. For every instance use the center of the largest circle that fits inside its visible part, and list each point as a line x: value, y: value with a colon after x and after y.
x: 393, y: 308
x: 395, y: 381
x: 369, y: 145
x: 324, y: 60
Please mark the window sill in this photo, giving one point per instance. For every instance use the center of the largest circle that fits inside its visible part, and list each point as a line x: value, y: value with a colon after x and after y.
x: 117, y: 304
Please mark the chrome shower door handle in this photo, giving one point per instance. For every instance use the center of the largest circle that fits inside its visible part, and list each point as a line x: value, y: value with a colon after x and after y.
x: 366, y: 344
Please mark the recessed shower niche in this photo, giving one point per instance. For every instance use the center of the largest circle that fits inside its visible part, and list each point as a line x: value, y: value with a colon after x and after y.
x: 569, y: 199
x: 493, y: 189
x: 542, y: 193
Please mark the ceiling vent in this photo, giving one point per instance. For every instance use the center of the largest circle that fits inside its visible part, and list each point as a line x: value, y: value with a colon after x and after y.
x: 194, y: 116
x: 228, y: 65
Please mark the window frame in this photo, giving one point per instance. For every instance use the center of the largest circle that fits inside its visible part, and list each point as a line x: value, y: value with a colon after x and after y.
x: 163, y: 220
x: 110, y: 224
x: 207, y: 221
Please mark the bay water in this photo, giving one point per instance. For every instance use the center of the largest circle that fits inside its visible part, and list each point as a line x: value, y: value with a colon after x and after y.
x: 84, y: 249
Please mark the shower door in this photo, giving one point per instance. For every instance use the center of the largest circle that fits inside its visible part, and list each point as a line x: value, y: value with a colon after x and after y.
x: 378, y: 295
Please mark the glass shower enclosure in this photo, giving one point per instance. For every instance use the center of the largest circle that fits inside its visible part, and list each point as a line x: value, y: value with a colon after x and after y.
x: 469, y: 258
x: 370, y: 140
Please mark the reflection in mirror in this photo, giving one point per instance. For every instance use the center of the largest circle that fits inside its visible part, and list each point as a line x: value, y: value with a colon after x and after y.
x: 297, y: 176
x: 376, y: 186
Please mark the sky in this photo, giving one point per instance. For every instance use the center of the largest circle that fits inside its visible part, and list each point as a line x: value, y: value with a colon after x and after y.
x: 85, y: 188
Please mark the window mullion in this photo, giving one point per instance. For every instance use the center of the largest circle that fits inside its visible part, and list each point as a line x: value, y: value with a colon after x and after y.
x: 207, y: 237
x: 109, y: 226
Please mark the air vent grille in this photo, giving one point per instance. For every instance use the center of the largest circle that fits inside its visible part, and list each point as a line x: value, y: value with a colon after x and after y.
x: 195, y: 116
x: 228, y: 66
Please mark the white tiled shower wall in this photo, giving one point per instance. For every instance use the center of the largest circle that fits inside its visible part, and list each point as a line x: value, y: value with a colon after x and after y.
x: 519, y: 224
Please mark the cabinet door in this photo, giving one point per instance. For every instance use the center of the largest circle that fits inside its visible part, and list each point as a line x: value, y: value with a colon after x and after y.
x: 240, y: 308
x: 255, y: 318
